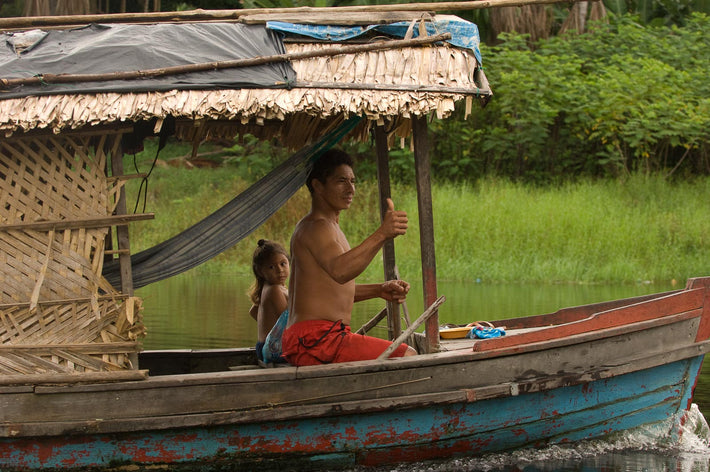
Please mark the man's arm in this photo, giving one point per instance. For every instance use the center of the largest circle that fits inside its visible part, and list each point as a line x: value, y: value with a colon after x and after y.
x: 345, y: 266
x: 392, y: 290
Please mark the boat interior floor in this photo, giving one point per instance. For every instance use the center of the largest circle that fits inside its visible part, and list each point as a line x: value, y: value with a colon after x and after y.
x: 186, y: 361
x: 458, y: 344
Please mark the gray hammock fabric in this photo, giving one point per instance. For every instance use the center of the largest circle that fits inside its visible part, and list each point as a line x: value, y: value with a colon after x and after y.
x: 231, y: 223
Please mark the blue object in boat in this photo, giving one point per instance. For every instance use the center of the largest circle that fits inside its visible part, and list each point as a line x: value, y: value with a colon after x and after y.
x: 485, y: 332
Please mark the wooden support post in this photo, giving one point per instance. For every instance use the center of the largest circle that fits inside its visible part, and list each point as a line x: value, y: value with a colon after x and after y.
x: 122, y: 237
x: 422, y: 164
x: 394, y: 324
x: 124, y: 256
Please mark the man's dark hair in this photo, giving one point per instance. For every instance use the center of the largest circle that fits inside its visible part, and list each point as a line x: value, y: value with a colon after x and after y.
x: 326, y: 165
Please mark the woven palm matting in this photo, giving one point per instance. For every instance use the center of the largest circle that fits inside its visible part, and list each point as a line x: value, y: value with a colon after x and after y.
x: 57, y: 313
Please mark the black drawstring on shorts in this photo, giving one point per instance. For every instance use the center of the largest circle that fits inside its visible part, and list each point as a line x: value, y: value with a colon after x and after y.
x: 318, y: 341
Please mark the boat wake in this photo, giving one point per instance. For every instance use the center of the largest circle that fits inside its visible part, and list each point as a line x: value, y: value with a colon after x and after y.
x: 679, y: 444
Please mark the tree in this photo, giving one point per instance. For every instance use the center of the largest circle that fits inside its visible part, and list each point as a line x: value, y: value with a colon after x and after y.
x: 59, y: 7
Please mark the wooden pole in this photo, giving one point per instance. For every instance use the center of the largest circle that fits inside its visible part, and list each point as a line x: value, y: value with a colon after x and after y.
x: 422, y: 165
x: 202, y: 67
x: 238, y: 15
x: 122, y: 236
x: 394, y: 324
x: 124, y: 257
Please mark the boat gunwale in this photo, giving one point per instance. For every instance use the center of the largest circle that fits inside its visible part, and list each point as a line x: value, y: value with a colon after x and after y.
x: 292, y: 373
x: 579, y: 312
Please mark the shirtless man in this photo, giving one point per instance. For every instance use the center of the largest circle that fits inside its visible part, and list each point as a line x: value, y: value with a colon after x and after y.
x: 323, y: 270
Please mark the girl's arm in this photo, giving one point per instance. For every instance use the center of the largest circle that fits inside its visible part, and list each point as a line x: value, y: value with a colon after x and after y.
x: 274, y: 300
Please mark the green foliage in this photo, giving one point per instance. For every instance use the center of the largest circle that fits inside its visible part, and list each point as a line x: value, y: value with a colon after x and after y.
x: 11, y: 8
x: 618, y: 99
x: 290, y: 3
x: 657, y: 12
x: 177, y: 5
x: 584, y: 232
x: 252, y: 158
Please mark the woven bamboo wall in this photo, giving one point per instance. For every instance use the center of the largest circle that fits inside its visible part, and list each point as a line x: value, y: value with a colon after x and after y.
x: 57, y: 313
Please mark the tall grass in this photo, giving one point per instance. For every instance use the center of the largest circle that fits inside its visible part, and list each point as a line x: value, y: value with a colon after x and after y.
x: 605, y: 231
x: 643, y: 228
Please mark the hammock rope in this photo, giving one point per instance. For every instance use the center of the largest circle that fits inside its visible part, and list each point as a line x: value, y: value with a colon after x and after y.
x: 229, y: 224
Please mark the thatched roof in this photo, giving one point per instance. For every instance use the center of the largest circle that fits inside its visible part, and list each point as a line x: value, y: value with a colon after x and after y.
x: 383, y: 85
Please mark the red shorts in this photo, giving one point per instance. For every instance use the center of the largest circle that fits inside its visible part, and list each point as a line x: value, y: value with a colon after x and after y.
x: 314, y: 342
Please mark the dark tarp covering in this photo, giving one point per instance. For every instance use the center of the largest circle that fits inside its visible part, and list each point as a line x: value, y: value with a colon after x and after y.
x: 98, y: 49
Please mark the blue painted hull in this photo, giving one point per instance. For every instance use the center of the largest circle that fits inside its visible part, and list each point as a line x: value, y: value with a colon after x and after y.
x: 560, y: 415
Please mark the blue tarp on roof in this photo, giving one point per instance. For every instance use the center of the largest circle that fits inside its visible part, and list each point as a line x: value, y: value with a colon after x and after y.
x: 464, y: 34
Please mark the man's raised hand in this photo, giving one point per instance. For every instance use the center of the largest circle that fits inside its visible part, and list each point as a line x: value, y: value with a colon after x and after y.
x: 395, y: 222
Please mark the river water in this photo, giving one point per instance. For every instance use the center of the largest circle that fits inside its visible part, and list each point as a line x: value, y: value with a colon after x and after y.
x: 211, y: 311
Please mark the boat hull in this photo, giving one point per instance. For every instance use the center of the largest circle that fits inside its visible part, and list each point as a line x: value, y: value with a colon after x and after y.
x: 580, y: 373
x: 563, y: 415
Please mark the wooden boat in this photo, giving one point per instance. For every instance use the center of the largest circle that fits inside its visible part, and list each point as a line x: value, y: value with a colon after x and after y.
x: 77, y: 393
x: 579, y: 373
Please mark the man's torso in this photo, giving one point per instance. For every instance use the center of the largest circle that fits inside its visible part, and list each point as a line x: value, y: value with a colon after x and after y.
x: 314, y: 294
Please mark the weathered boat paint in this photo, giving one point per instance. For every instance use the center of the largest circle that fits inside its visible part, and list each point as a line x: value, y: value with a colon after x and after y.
x: 561, y: 415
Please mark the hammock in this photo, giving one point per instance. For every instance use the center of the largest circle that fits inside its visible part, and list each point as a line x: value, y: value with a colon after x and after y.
x: 231, y: 223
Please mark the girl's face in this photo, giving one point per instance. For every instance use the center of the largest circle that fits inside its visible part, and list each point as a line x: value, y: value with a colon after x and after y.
x: 276, y: 270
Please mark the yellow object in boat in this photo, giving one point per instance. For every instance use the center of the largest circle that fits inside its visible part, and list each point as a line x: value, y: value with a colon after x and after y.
x: 455, y: 333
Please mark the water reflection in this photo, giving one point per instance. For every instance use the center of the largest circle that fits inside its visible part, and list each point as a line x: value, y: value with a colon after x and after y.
x: 189, y: 311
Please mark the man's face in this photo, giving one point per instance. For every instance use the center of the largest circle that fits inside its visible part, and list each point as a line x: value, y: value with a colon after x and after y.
x: 339, y: 187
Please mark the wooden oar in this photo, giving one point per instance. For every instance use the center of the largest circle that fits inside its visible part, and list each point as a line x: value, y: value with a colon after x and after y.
x: 373, y: 322
x: 408, y: 332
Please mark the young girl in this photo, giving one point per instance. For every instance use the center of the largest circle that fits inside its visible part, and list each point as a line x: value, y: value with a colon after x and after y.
x: 269, y: 296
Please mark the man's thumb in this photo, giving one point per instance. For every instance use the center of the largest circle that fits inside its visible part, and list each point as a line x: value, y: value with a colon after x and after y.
x: 390, y: 204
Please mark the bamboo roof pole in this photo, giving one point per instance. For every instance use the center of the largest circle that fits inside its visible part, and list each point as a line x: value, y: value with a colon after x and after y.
x: 237, y: 15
